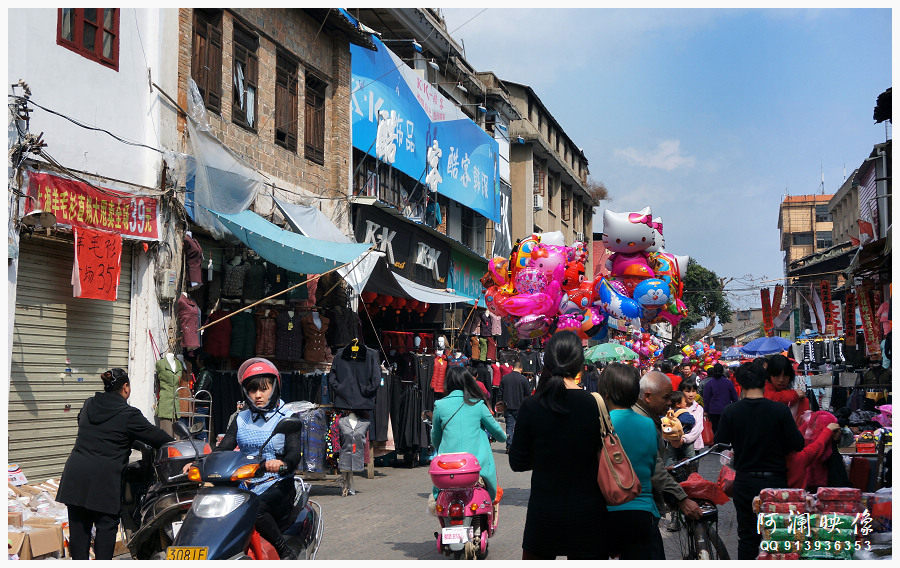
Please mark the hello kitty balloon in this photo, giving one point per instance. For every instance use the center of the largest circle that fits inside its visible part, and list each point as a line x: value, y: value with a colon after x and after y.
x: 629, y: 235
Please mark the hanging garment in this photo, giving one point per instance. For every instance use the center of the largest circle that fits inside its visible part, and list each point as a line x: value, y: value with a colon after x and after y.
x: 292, y: 279
x: 313, y: 440
x: 225, y: 392
x: 529, y: 362
x: 276, y: 279
x: 353, y: 444
x: 482, y: 349
x: 243, y: 335
x: 234, y: 280
x: 265, y: 333
x: 217, y: 338
x: 255, y: 281
x: 354, y: 378
x: 168, y: 382
x: 439, y: 373
x: 424, y: 367
x: 288, y: 336
x: 310, y: 387
x: 315, y: 348
x: 491, y: 349
x: 188, y: 321
x: 410, y: 422
x: 455, y: 361
x: 193, y: 253
x: 496, y: 325
x: 344, y: 326
x: 475, y: 348
x: 381, y: 415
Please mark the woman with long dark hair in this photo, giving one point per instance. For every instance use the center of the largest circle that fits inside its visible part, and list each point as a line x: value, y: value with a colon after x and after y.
x: 557, y: 437
x: 458, y: 421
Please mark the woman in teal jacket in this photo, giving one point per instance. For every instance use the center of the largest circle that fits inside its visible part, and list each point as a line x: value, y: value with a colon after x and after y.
x: 458, y: 421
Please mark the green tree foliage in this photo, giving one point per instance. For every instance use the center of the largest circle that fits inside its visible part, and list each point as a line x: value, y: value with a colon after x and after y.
x: 704, y: 297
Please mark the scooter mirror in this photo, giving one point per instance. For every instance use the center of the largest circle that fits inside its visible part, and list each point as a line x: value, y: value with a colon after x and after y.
x: 197, y: 427
x: 181, y: 429
x: 289, y: 425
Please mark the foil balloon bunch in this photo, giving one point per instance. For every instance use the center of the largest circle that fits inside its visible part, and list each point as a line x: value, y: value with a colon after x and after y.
x: 700, y: 355
x: 541, y: 287
x: 645, y: 282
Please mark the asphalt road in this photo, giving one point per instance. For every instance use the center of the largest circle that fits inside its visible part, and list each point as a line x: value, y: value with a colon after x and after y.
x: 387, y: 518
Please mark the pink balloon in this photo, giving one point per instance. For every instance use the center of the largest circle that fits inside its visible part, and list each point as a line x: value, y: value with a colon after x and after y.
x: 547, y: 257
x: 494, y: 298
x: 532, y: 326
x: 531, y: 281
x: 529, y: 304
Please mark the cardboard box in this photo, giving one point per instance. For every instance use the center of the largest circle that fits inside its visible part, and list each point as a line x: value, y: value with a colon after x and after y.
x: 37, y: 542
x: 14, y: 519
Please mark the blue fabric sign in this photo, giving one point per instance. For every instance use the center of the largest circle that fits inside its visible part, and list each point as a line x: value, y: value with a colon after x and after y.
x: 404, y: 121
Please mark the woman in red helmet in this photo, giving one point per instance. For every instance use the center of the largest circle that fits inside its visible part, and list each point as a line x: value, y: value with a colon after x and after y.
x: 261, y: 385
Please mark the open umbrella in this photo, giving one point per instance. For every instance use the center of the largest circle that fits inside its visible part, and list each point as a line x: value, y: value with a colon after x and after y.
x: 607, y: 352
x: 732, y: 352
x: 766, y: 346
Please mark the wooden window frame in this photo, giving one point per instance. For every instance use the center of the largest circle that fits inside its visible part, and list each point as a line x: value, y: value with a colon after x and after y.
x: 244, y: 50
x: 76, y: 44
x: 565, y: 206
x: 314, y: 118
x: 287, y: 101
x: 206, y: 57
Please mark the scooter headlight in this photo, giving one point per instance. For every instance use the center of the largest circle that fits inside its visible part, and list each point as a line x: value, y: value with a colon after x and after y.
x: 216, y: 505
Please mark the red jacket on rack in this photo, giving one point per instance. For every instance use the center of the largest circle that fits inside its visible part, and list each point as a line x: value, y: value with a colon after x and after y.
x: 440, y: 371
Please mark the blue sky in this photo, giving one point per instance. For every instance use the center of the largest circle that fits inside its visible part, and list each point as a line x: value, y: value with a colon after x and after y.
x: 706, y: 115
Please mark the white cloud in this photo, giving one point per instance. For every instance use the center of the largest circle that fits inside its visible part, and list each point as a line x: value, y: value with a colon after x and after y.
x: 666, y: 156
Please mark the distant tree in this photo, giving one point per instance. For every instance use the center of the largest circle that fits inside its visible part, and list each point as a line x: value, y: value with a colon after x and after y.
x: 883, y: 107
x: 597, y: 191
x: 704, y: 297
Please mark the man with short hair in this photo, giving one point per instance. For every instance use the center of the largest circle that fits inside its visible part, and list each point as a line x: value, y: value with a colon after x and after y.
x: 653, y: 402
x: 514, y: 387
x: 668, y: 369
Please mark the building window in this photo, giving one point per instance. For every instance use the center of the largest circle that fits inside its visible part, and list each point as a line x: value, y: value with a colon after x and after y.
x: 206, y: 57
x: 286, y: 102
x: 90, y: 32
x: 822, y: 214
x: 530, y: 110
x: 743, y: 315
x: 566, y: 205
x: 244, y: 78
x: 314, y: 135
x: 823, y: 239
x: 802, y: 238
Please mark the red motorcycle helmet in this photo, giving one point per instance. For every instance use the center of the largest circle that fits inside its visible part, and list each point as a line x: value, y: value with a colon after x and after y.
x: 259, y: 367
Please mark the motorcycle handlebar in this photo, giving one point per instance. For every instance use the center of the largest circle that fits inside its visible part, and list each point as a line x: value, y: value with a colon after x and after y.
x: 178, y: 477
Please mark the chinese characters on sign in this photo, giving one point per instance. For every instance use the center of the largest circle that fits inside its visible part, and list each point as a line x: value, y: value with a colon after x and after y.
x: 98, y: 257
x: 79, y: 205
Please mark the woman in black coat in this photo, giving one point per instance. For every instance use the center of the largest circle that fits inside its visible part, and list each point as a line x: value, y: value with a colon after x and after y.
x: 91, y: 483
x: 557, y: 438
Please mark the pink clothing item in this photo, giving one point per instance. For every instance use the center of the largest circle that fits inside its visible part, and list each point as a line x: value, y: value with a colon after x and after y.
x: 816, y: 471
x: 883, y: 317
x: 695, y: 435
x: 188, y: 321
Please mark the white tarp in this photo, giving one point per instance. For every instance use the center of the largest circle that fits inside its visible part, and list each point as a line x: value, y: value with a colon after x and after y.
x: 430, y: 295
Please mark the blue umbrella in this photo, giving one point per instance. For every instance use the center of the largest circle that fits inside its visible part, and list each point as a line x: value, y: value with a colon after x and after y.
x: 766, y: 346
x: 732, y: 352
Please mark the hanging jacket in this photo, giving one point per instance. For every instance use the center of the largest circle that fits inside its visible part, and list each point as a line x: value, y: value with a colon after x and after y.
x: 255, y: 281
x: 193, y: 253
x: 217, y: 338
x: 354, y: 382
x: 107, y: 427
x: 440, y: 372
x: 288, y: 337
x: 265, y: 334
x: 243, y: 336
x: 168, y: 382
x: 188, y: 321
x: 315, y: 348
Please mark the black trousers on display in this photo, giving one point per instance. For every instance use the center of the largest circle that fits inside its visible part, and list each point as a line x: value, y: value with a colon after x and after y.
x: 81, y: 521
x: 746, y: 487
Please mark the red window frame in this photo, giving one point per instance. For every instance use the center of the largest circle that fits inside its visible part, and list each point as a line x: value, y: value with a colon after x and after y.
x: 76, y: 44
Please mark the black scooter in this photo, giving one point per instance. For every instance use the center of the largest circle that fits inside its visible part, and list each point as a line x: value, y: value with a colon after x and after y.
x: 221, y: 522
x: 156, y: 497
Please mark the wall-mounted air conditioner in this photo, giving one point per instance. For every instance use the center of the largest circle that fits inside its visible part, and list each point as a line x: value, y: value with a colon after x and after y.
x: 579, y: 237
x: 538, y: 202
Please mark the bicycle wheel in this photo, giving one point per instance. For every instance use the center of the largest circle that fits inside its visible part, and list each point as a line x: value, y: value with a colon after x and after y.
x: 684, y: 537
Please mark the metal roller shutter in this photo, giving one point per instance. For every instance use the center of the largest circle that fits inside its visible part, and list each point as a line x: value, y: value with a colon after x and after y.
x: 50, y: 327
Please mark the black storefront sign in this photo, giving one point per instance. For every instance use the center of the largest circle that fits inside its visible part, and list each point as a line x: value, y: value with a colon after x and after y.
x: 409, y: 251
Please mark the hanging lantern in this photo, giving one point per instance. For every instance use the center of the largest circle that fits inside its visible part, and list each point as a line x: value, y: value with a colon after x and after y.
x: 368, y: 297
x: 384, y: 301
x: 398, y: 304
x: 422, y: 308
x: 411, y: 305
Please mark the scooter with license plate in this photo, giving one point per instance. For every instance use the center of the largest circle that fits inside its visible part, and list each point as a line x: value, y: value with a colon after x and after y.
x: 220, y: 524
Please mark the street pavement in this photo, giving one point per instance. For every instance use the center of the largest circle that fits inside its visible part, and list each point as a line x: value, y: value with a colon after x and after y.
x: 387, y: 518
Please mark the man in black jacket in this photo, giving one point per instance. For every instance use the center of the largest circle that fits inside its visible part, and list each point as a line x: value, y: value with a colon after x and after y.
x: 514, y: 387
x: 92, y: 478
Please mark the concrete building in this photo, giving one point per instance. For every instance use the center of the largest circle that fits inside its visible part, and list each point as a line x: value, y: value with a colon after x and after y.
x: 549, y: 173
x: 805, y: 225
x: 844, y: 210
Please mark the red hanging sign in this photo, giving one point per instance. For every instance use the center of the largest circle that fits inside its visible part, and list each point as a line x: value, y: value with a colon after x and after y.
x: 98, y: 264
x: 825, y: 292
x: 870, y: 331
x: 768, y: 324
x: 776, y: 298
x: 850, y: 319
x: 79, y: 205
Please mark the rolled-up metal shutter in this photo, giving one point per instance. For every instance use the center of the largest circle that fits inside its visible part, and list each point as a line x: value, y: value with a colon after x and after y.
x: 61, y: 345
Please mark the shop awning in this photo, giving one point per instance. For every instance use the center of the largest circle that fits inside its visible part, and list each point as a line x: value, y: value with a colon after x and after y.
x: 288, y: 250
x: 386, y: 281
x: 310, y: 221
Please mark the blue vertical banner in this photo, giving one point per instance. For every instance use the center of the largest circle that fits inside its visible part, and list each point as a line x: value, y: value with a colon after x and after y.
x: 465, y: 275
x: 403, y: 120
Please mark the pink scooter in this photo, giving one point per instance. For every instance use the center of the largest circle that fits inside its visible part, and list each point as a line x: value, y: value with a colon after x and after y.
x: 463, y: 506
